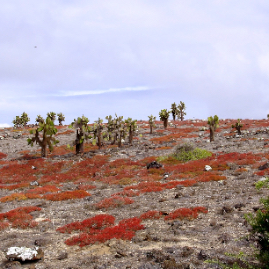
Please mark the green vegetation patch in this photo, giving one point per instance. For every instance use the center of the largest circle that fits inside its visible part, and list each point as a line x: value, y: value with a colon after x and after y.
x: 184, y: 153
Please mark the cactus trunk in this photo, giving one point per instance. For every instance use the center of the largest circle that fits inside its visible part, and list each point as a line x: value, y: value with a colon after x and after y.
x: 165, y: 123
x: 44, y: 151
x: 130, y: 136
x: 212, y: 133
x: 79, y: 145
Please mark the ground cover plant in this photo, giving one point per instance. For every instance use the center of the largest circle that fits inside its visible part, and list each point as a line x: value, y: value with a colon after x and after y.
x: 104, y: 204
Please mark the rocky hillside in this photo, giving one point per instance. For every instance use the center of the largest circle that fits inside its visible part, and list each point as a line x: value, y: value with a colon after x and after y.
x: 105, y: 209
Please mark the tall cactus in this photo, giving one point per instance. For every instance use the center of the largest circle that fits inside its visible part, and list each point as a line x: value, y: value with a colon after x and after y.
x: 164, y: 115
x: 24, y: 118
x: 52, y: 116
x: 48, y: 130
x: 151, y: 123
x: 131, y: 127
x: 17, y: 122
x: 182, y: 112
x: 120, y: 129
x: 21, y: 121
x: 39, y: 119
x: 110, y: 127
x: 82, y: 134
x: 238, y: 125
x: 98, y: 134
x: 61, y: 118
x: 213, y: 123
x: 174, y: 110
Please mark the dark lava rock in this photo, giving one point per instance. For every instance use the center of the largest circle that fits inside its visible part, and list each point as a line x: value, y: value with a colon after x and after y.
x: 264, y: 166
x: 154, y: 164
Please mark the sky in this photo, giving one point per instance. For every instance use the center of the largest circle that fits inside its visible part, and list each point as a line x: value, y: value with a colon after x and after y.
x: 134, y: 58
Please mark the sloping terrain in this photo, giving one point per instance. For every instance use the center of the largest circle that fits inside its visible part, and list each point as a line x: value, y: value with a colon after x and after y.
x: 136, y: 217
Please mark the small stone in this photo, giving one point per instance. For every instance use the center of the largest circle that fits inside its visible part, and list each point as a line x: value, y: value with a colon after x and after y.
x: 264, y: 166
x: 62, y: 256
x: 207, y: 168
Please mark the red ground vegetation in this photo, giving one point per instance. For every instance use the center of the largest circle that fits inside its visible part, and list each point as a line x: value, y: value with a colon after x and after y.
x: 19, y: 218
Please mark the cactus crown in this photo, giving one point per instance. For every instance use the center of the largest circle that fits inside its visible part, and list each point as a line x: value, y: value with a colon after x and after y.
x: 164, y: 114
x: 174, y: 108
x: 238, y: 124
x: 39, y: 119
x: 151, y: 119
x: 130, y: 123
x: 21, y: 120
x: 81, y: 123
x: 213, y: 121
x: 51, y: 115
x: 61, y: 117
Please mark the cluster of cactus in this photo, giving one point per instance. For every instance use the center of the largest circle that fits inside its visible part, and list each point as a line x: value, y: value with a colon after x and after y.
x: 115, y: 131
x: 47, y: 140
x: 178, y: 111
x: 52, y: 116
x: 238, y: 125
x: 213, y: 123
x: 98, y: 135
x: 21, y: 121
x: 181, y: 109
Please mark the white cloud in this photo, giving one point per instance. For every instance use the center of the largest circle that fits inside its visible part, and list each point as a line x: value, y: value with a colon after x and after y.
x: 77, y: 93
x: 4, y: 125
x: 198, y: 51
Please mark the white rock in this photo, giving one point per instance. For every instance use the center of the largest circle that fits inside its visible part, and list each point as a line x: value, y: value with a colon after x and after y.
x: 207, y: 168
x: 23, y: 253
x: 263, y: 179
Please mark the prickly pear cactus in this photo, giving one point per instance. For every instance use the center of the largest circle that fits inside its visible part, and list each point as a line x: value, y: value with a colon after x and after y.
x: 238, y: 125
x: 39, y: 119
x: 151, y: 123
x: 213, y: 125
x: 181, y: 109
x: 164, y: 115
x: 52, y: 116
x: 131, y: 127
x: 48, y: 131
x: 82, y: 134
x: 174, y: 111
x: 99, y: 135
x: 61, y: 118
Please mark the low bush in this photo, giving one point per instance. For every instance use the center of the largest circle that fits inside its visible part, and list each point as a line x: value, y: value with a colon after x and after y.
x: 87, y: 225
x: 112, y: 202
x: 19, y: 218
x: 188, y: 213
x: 76, y: 194
x: 125, y: 230
x: 187, y: 152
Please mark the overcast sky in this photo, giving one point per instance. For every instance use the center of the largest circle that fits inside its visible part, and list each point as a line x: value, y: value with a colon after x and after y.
x: 134, y: 58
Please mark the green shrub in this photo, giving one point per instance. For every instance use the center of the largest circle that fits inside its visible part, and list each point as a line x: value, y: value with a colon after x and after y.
x: 184, y: 153
x: 187, y: 152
